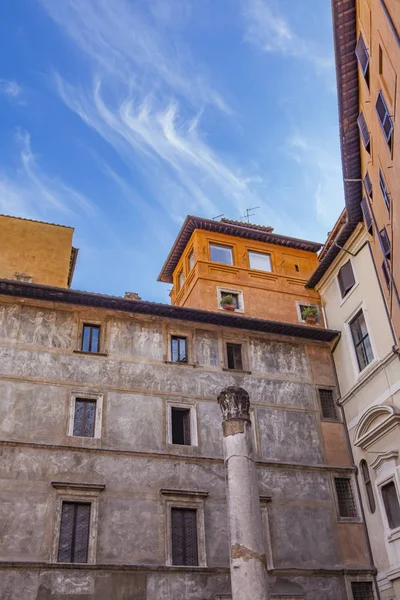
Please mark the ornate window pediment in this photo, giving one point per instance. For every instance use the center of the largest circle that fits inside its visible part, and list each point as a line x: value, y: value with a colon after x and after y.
x: 375, y: 423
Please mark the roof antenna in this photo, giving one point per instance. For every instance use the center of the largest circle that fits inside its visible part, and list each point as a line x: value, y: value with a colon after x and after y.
x: 218, y: 216
x: 249, y: 214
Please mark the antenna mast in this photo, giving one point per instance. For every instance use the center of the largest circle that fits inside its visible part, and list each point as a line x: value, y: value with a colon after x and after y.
x: 249, y: 214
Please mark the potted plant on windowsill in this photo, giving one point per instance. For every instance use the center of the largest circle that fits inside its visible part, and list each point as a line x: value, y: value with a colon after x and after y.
x: 228, y: 302
x: 309, y: 314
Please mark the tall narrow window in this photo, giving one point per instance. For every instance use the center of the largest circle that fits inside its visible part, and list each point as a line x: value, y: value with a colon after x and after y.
x: 260, y: 261
x: 362, y: 590
x: 327, y: 403
x: 221, y: 254
x: 386, y: 273
x: 346, y: 278
x: 91, y: 338
x: 384, y: 190
x: 344, y: 492
x: 180, y: 424
x: 368, y: 184
x: 366, y: 214
x: 234, y: 354
x: 391, y: 503
x: 191, y: 260
x: 84, y: 417
x: 184, y: 537
x: 384, y: 118
x: 178, y: 349
x: 181, y: 280
x: 363, y: 58
x: 368, y: 485
x: 362, y: 343
x: 385, y: 242
x: 74, y: 532
x: 364, y: 131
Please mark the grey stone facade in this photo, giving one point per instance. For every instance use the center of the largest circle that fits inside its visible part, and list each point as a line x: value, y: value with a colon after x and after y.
x: 132, y: 472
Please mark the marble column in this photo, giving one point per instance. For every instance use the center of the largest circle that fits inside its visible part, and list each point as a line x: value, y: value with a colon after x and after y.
x: 249, y: 577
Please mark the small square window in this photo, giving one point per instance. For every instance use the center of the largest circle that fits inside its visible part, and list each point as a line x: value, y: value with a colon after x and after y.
x: 91, y: 338
x: 391, y: 503
x: 84, y: 417
x: 184, y: 536
x: 362, y: 590
x: 312, y: 318
x: 345, y: 497
x: 180, y: 425
x: 260, y: 261
x: 74, y: 532
x: 221, y: 254
x: 178, y: 349
x: 234, y: 356
x: 327, y: 402
x: 346, y: 278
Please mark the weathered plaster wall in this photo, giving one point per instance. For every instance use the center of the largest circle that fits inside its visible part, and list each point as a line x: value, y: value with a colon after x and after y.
x: 134, y: 459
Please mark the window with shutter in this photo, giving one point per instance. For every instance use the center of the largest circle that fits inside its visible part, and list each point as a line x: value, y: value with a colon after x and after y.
x: 386, y: 273
x: 368, y: 485
x: 184, y: 536
x: 366, y: 214
x: 363, y: 58
x: 327, y: 403
x: 180, y: 423
x: 391, y: 503
x: 384, y: 118
x: 344, y: 492
x: 364, y: 132
x: 234, y: 354
x: 346, y: 278
x: 384, y: 190
x: 84, y: 417
x: 74, y: 532
x: 368, y: 184
x: 385, y: 242
x: 362, y: 590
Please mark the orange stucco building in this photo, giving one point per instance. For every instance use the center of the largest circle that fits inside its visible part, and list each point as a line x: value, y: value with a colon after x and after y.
x: 36, y: 252
x: 263, y: 271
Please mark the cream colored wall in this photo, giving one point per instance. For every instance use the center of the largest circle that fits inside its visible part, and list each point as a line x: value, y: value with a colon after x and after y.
x: 378, y: 384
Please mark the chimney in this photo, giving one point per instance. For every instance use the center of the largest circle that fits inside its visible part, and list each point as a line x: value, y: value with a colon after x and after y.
x: 132, y: 296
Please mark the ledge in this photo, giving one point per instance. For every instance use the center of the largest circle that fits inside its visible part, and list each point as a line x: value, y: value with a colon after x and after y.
x: 236, y: 371
x: 90, y: 353
x: 62, y: 485
x: 185, y: 364
x: 195, y: 493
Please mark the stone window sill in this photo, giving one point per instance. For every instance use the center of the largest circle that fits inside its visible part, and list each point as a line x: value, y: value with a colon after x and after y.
x: 90, y: 353
x: 182, y: 364
x: 236, y: 371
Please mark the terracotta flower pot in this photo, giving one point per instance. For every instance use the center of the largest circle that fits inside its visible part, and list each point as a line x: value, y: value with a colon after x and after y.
x: 311, y: 320
x: 229, y: 307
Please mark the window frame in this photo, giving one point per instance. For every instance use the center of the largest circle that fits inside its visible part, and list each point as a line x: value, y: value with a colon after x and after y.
x: 384, y: 190
x: 299, y: 305
x: 385, y: 243
x: 356, y: 517
x: 194, y: 434
x: 224, y: 291
x: 180, y: 279
x: 386, y: 273
x: 382, y: 484
x: 364, y: 69
x: 268, y: 254
x: 335, y: 419
x: 170, y: 333
x: 387, y: 118
x: 191, y: 257
x: 367, y: 215
x: 84, y: 395
x: 91, y: 326
x: 349, y: 585
x: 368, y: 487
x: 226, y: 247
x: 360, y: 309
x: 230, y: 343
x: 179, y: 338
x: 363, y: 130
x: 345, y: 292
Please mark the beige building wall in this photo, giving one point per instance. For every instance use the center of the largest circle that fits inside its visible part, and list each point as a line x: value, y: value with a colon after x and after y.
x: 370, y: 397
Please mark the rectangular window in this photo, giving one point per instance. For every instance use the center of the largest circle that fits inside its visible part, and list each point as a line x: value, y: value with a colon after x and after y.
x: 384, y: 190
x: 363, y: 58
x: 260, y: 261
x: 362, y: 343
x: 368, y: 185
x: 346, y: 278
x: 384, y: 118
x: 181, y: 280
x: 178, y: 349
x: 235, y: 298
x: 84, y: 417
x: 184, y: 536
x: 74, y: 532
x: 191, y: 260
x: 366, y: 214
x: 364, y: 132
x: 362, y: 590
x: 386, y: 273
x: 234, y: 353
x: 91, y: 338
x: 221, y: 254
x: 344, y: 493
x: 327, y: 402
x: 385, y: 242
x: 180, y: 423
x: 391, y: 503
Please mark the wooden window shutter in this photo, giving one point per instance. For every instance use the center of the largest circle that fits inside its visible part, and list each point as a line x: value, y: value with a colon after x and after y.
x: 184, y: 536
x: 385, y: 242
x: 368, y: 184
x: 364, y: 132
x: 74, y: 532
x: 362, y: 55
x: 366, y: 214
x: 186, y: 428
x: 346, y: 278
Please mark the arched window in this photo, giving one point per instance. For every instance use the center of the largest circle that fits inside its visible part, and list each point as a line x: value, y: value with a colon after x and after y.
x: 368, y: 485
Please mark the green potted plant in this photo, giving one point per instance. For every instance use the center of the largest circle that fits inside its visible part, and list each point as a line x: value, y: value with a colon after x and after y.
x: 309, y: 314
x: 228, y: 302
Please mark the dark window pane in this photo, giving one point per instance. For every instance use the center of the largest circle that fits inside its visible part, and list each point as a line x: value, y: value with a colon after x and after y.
x: 384, y: 189
x: 368, y: 486
x: 364, y: 132
x: 346, y: 278
x: 384, y: 117
x: 91, y: 338
x: 180, y: 418
x: 386, y: 273
x: 391, y: 502
x: 184, y: 536
x: 74, y: 532
x: 361, y: 341
x: 221, y: 254
x: 385, y: 242
x: 178, y: 349
x: 362, y: 55
x: 327, y: 402
x: 362, y: 590
x: 366, y: 214
x: 85, y: 417
x: 234, y: 352
x: 368, y: 185
x: 347, y: 507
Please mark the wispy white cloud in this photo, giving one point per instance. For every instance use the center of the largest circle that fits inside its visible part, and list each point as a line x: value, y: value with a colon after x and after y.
x: 27, y: 191
x: 267, y: 29
x: 11, y: 89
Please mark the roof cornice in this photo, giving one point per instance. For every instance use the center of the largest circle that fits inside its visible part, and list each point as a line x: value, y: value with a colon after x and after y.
x: 19, y: 289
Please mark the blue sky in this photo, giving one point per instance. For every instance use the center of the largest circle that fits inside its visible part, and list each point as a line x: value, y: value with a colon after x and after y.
x: 120, y: 118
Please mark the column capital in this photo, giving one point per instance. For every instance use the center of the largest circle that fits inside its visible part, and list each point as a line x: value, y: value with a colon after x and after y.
x: 234, y: 403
